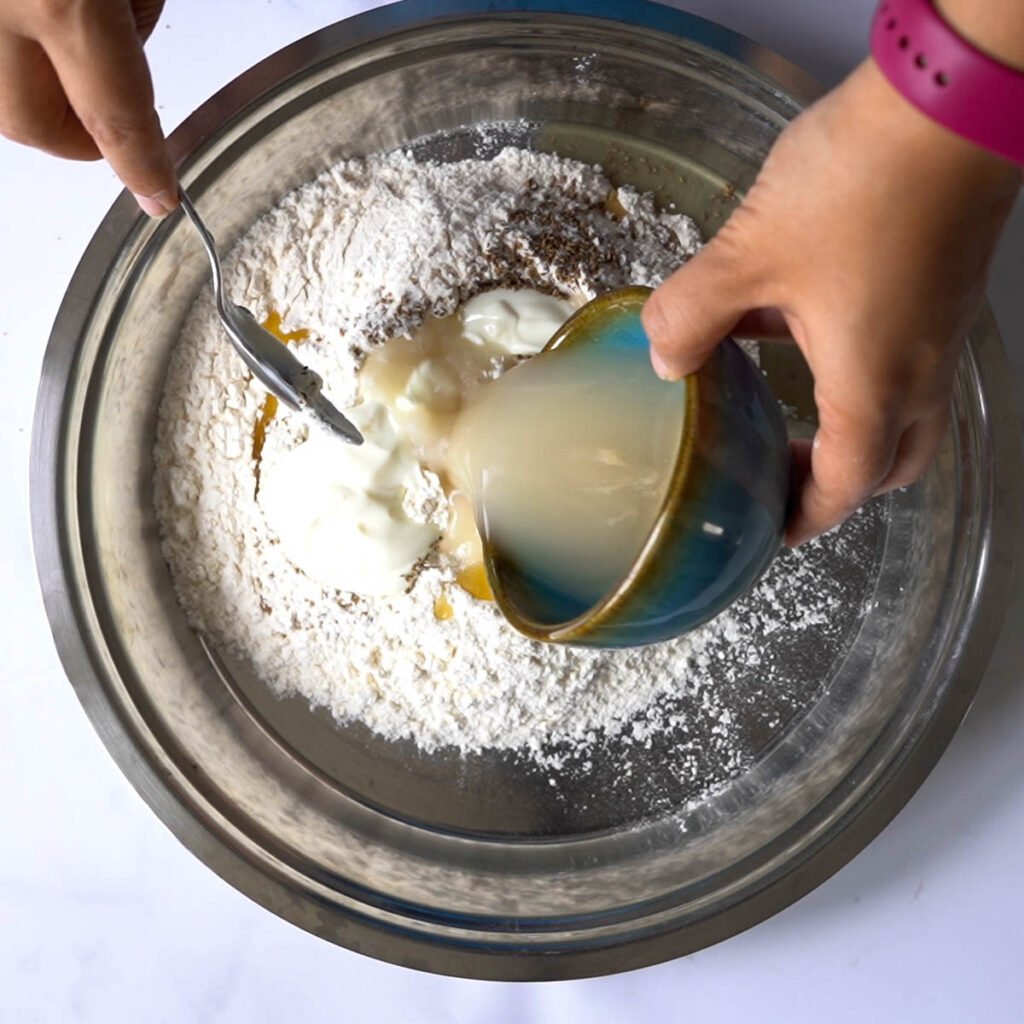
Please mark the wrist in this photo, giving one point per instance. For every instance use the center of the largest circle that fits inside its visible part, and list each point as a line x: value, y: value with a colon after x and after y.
x: 921, y: 143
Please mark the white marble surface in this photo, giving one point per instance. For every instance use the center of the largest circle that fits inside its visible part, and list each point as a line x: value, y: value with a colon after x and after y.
x: 105, y: 917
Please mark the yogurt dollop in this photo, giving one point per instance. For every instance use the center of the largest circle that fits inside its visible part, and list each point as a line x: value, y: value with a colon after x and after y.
x: 338, y: 510
x: 519, y: 322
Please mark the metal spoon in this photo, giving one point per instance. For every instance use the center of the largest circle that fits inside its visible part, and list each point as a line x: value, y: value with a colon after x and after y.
x: 270, y: 361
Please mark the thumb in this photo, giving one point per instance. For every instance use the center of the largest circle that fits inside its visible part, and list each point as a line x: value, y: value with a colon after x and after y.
x: 687, y: 316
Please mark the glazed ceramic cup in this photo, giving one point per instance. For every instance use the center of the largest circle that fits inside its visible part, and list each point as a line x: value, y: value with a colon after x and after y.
x: 719, y: 524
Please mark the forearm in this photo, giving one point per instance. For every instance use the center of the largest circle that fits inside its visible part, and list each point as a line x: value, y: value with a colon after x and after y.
x: 995, y: 26
x: 902, y: 132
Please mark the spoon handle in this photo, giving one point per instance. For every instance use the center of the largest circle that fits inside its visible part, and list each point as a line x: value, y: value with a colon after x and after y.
x: 208, y: 244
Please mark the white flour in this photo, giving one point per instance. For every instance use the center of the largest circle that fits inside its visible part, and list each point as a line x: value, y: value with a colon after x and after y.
x: 359, y: 255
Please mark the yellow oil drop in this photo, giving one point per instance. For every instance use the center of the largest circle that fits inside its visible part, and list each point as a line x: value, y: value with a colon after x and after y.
x: 274, y: 324
x: 443, y: 609
x: 259, y: 433
x: 473, y: 580
x: 268, y: 410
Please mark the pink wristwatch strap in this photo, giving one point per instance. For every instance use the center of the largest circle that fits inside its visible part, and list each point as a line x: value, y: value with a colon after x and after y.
x: 948, y: 78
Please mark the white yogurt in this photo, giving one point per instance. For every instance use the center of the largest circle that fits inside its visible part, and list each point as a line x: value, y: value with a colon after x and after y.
x: 339, y: 509
x: 519, y: 323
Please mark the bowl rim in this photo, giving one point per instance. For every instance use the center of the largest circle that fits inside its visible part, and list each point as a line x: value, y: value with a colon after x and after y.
x: 180, y: 805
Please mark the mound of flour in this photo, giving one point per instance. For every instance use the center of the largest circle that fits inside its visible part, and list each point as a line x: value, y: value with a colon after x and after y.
x: 361, y: 254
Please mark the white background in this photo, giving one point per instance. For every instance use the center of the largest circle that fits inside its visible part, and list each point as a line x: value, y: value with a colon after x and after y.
x: 105, y: 917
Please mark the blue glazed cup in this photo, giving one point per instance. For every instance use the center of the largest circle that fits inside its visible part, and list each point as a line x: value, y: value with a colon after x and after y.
x: 719, y: 525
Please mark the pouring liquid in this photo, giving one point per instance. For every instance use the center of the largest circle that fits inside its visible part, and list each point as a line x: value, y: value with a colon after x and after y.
x: 567, y: 458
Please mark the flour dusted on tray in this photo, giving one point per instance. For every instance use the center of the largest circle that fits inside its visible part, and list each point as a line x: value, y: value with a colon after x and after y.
x: 361, y: 255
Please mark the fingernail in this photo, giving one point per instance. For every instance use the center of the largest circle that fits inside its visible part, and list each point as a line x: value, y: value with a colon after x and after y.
x: 661, y: 368
x: 154, y: 206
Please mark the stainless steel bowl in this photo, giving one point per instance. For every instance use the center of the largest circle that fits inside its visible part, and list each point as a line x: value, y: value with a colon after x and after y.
x: 473, y: 867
